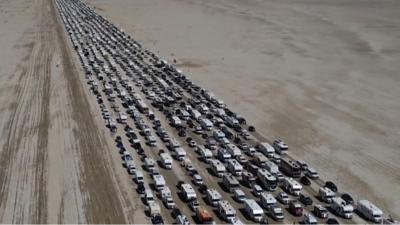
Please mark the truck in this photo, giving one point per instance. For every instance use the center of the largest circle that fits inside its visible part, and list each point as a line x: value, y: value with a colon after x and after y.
x: 266, y: 149
x: 267, y: 179
x: 218, y: 167
x: 154, y: 209
x: 235, y: 167
x: 326, y: 194
x: 203, y: 216
x: 167, y: 199
x: 166, y: 160
x: 205, y: 153
x: 188, y: 192
x: 213, y: 197
x: 370, y: 211
x: 253, y: 210
x: 226, y: 211
x: 230, y: 182
x: 159, y: 182
x: 341, y: 208
x: 292, y: 186
x: 233, y: 150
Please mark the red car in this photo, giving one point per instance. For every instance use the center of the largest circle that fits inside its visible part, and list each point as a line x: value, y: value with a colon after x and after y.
x: 295, y: 208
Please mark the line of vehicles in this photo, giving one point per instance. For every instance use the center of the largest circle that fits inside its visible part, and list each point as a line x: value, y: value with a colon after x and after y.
x: 118, y: 68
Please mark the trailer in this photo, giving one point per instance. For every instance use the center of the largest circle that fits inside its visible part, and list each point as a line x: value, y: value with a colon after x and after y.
x: 341, y: 208
x: 218, y: 167
x: 370, y: 211
x: 226, y: 211
x: 267, y: 179
x: 213, y: 196
x: 266, y: 149
x: 166, y: 160
x: 292, y: 186
x: 253, y: 210
x: 234, y: 167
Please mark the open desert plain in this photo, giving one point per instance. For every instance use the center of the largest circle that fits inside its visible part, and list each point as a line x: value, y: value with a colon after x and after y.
x: 86, y: 101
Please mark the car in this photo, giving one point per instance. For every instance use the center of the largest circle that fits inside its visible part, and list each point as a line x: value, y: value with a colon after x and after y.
x: 283, y: 198
x: 203, y: 188
x: 332, y: 221
x: 252, y: 129
x: 194, y: 204
x: 295, y: 208
x: 331, y: 185
x: 347, y: 198
x: 182, y: 133
x: 192, y: 143
x: 157, y: 219
x: 241, y: 159
x: 306, y: 200
x: 197, y: 179
x: 176, y: 212
x: 198, y: 130
x: 320, y: 211
x: 140, y: 188
x: 305, y: 181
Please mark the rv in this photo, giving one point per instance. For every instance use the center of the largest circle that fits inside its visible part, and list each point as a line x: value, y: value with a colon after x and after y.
x: 230, y: 182
x: 369, y: 211
x: 341, y: 208
x: 195, y: 114
x: 260, y: 160
x: 213, y: 197
x: 248, y: 178
x: 167, y: 198
x: 218, y: 168
x: 292, y: 186
x: 253, y: 210
x: 206, y: 123
x: 234, y: 167
x: 179, y: 154
x: 205, y: 153
x: 326, y: 194
x: 149, y: 164
x: 266, y: 149
x: 166, y: 160
x: 223, y: 155
x: 290, y: 168
x: 267, y: 179
x: 188, y: 192
x: 272, y: 167
x: 233, y: 150
x: 226, y: 211
x: 280, y: 147
x: 159, y: 182
x: 218, y: 134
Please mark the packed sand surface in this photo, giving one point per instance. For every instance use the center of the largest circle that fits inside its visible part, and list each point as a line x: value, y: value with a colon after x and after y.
x: 323, y: 75
x: 56, y: 165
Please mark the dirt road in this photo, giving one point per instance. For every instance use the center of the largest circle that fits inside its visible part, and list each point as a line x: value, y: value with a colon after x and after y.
x: 322, y: 75
x: 56, y: 165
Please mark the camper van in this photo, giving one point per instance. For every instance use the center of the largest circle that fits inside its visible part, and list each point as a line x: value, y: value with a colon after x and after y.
x: 166, y: 160
x: 369, y: 211
x: 253, y: 210
x: 234, y: 167
x: 266, y: 149
x: 218, y: 167
x: 341, y: 208
x: 213, y: 197
x: 226, y: 211
x: 292, y: 186
x: 326, y: 194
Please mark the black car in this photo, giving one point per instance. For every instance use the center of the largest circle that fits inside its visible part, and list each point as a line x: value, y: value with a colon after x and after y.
x: 157, y: 219
x: 306, y: 200
x: 252, y: 129
x: 305, y: 181
x: 175, y: 213
x: 331, y: 185
x: 182, y: 133
x: 140, y: 188
x: 347, y: 198
x: 332, y: 221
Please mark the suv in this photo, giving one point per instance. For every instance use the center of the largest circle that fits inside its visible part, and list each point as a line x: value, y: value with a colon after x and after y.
x: 306, y: 200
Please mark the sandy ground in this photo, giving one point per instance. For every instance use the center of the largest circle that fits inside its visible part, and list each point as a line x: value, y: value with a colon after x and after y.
x: 56, y: 161
x: 323, y: 75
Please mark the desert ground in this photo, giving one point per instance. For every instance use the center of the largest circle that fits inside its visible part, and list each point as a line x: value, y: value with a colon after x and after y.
x: 323, y: 75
